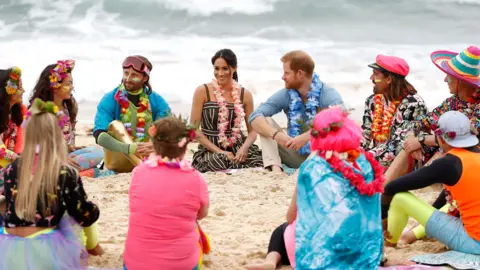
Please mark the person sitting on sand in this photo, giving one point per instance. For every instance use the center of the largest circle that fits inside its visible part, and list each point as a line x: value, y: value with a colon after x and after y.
x: 221, y: 106
x: 336, y: 203
x: 458, y: 172
x: 40, y: 187
x: 390, y: 110
x: 12, y: 113
x: 124, y: 115
x: 167, y: 197
x: 56, y: 84
x: 463, y: 79
x: 303, y: 96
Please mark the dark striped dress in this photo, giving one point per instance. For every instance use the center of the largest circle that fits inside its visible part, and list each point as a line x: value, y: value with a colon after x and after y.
x: 204, y: 160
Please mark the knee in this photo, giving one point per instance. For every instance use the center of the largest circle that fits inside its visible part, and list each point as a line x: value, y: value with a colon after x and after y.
x: 401, y: 199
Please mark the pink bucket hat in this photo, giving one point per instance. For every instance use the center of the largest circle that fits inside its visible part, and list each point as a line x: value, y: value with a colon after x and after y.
x: 391, y: 64
x: 464, y: 66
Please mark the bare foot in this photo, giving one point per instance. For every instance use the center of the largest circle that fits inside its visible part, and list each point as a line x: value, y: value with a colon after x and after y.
x: 96, y: 251
x: 262, y: 266
x: 407, y: 238
x: 276, y: 168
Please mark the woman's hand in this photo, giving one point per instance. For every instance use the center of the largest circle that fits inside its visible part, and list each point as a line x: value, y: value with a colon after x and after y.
x: 73, y: 163
x: 229, y: 155
x: 241, y: 155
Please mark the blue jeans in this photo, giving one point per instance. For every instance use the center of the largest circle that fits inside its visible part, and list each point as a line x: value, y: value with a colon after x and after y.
x: 450, y: 231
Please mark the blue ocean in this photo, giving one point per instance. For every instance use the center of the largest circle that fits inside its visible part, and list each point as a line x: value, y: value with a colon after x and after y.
x: 180, y: 37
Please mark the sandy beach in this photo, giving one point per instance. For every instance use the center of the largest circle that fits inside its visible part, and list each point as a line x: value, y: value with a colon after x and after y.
x: 246, y: 207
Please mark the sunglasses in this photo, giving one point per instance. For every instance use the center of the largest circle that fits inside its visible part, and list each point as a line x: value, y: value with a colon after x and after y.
x: 136, y: 63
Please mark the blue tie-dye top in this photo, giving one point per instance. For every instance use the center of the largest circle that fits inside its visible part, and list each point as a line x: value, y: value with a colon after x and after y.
x: 337, y: 228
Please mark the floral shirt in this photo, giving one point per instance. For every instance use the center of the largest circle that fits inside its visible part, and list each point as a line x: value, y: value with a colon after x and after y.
x: 427, y: 122
x: 70, y: 197
x: 411, y: 107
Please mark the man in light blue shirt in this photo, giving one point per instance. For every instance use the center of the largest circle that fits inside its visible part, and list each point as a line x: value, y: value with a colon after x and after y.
x: 303, y: 96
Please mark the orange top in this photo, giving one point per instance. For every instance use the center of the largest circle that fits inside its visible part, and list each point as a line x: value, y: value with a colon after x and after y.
x: 466, y: 191
x: 19, y: 138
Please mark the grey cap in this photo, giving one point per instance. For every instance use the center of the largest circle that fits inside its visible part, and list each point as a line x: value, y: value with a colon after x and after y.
x: 455, y: 129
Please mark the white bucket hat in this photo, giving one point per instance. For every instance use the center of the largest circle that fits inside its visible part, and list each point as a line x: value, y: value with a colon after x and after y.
x: 455, y: 128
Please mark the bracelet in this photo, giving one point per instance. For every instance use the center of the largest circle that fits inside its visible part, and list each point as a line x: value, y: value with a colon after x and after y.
x: 275, y: 134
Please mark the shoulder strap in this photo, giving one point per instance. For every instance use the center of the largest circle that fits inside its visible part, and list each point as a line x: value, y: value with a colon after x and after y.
x: 206, y: 91
x: 242, y: 94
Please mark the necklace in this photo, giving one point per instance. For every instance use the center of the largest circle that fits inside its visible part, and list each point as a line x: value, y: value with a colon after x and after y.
x: 223, y: 122
x: 337, y: 161
x: 382, y: 120
x: 126, y: 113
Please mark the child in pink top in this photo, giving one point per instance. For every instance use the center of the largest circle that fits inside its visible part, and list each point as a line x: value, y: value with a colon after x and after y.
x: 167, y: 197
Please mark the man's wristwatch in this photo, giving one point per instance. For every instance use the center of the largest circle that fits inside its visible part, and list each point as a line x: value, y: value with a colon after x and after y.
x: 421, y: 139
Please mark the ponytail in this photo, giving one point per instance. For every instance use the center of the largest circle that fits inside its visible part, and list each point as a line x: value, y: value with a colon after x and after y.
x: 235, y: 76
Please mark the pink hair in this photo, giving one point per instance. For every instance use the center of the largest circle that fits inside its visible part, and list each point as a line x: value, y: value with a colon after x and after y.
x: 347, y: 137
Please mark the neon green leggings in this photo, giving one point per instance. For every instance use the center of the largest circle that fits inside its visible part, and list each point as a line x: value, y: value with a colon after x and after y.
x: 90, y: 236
x: 419, y: 231
x: 403, y: 206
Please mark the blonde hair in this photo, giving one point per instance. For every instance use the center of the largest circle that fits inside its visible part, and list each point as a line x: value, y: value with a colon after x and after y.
x: 39, y: 172
x: 299, y: 60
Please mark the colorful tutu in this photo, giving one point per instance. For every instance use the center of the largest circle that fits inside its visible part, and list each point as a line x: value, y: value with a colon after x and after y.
x: 46, y: 250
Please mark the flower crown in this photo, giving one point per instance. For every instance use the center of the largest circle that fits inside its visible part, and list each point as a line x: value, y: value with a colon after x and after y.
x: 322, y: 133
x: 13, y: 81
x: 39, y: 106
x: 60, y: 72
x: 188, y: 136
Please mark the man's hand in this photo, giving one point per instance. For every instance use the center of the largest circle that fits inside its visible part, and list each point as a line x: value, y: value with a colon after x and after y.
x: 411, y: 144
x: 298, y: 142
x: 144, y: 149
x: 282, y: 138
x: 417, y: 154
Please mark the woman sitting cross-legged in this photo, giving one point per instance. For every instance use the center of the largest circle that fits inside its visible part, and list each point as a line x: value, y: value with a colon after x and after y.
x: 167, y: 197
x: 40, y: 187
x: 458, y: 172
x: 335, y: 206
x: 220, y: 107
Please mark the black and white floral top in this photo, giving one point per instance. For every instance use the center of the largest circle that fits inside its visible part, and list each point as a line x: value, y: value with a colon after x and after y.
x: 70, y: 197
x: 408, y: 110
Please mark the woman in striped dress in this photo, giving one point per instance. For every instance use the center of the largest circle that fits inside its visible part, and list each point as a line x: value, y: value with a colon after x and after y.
x: 219, y: 107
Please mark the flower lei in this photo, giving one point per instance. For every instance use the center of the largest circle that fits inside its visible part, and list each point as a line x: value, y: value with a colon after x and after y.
x: 382, y: 121
x: 295, y: 116
x: 155, y: 161
x: 122, y: 99
x: 223, y: 122
x: 337, y: 162
x: 13, y: 81
x: 40, y: 106
x: 60, y: 72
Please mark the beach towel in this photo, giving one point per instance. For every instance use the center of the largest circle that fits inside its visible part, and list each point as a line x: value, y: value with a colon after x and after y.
x: 333, y: 218
x: 455, y: 259
x: 413, y: 267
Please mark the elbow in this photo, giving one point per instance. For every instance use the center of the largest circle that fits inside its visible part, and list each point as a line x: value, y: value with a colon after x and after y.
x: 203, y: 213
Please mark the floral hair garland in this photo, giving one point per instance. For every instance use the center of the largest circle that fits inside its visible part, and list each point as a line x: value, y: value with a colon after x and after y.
x: 188, y: 136
x: 60, y: 72
x: 223, y: 121
x: 39, y: 106
x: 13, y: 81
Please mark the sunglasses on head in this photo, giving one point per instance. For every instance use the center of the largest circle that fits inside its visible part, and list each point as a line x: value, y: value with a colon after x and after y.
x: 136, y: 63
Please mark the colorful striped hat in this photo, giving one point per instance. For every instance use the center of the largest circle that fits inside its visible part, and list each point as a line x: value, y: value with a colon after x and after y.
x: 464, y: 66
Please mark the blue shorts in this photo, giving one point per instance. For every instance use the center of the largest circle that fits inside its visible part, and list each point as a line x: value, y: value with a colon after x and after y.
x: 450, y: 231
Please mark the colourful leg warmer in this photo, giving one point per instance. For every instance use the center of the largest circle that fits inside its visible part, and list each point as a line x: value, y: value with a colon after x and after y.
x: 405, y: 205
